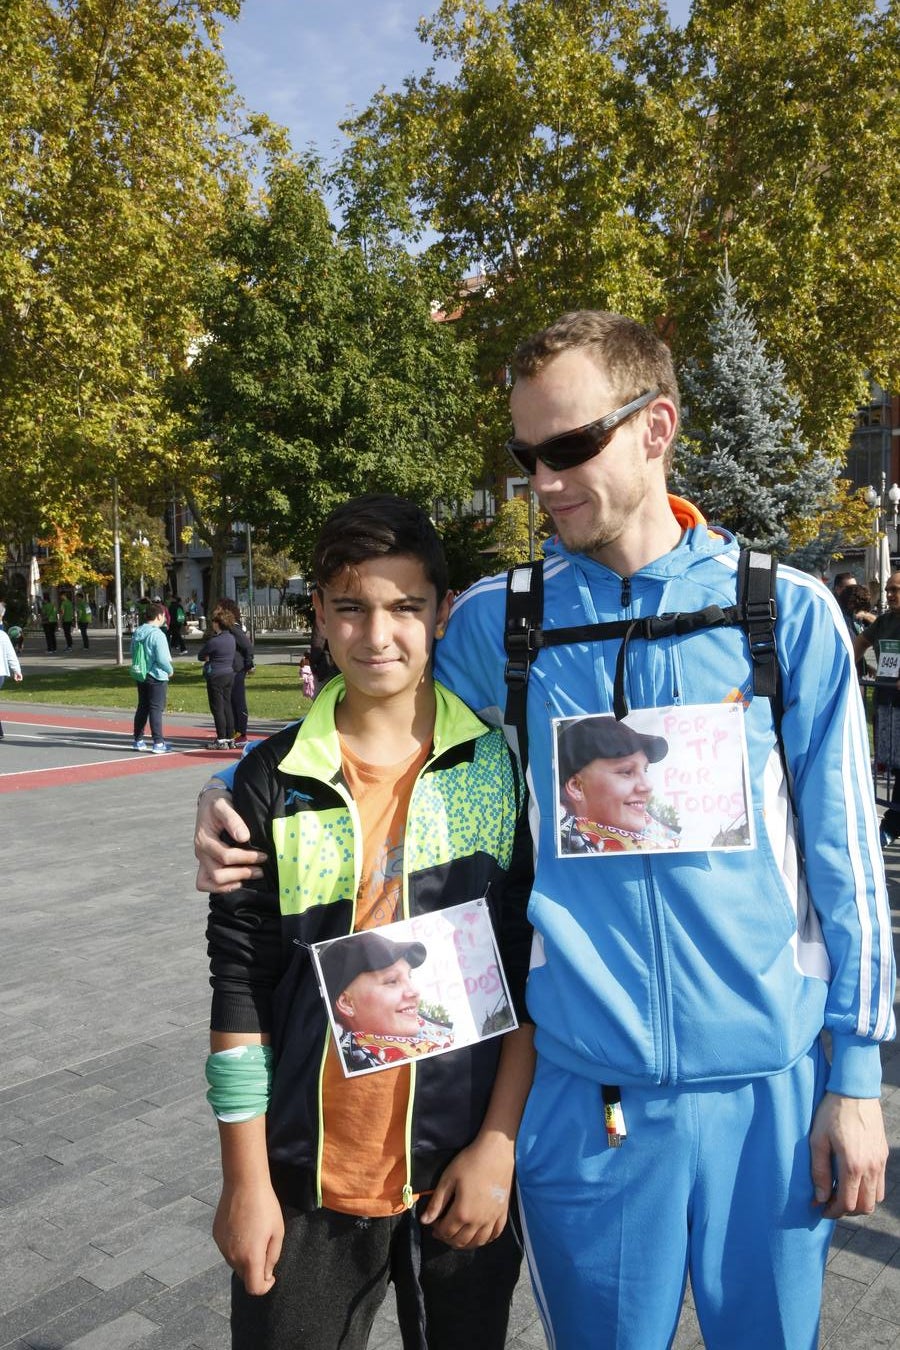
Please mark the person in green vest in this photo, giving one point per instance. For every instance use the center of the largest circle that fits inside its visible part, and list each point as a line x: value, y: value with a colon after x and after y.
x: 49, y: 620
x: 84, y: 615
x: 67, y: 615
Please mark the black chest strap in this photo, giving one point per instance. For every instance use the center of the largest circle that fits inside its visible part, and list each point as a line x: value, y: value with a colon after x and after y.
x: 525, y: 637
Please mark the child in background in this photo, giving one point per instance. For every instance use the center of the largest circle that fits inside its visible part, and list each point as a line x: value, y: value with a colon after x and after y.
x: 307, y: 677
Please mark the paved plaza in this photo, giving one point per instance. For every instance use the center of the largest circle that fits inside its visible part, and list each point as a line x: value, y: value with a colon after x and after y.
x: 108, y: 1151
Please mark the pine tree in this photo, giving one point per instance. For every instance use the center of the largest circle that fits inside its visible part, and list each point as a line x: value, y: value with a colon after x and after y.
x: 742, y: 456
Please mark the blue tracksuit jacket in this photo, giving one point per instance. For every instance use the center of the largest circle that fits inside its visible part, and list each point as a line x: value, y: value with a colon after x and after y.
x: 701, y: 967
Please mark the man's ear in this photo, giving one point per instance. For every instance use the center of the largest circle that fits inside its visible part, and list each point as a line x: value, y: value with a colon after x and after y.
x: 573, y: 789
x: 662, y: 423
x: 344, y: 1005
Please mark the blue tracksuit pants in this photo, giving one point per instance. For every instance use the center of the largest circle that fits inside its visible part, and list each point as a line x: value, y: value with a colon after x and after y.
x: 714, y: 1181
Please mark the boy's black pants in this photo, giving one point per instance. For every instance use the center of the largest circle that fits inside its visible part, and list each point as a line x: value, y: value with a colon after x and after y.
x: 334, y: 1273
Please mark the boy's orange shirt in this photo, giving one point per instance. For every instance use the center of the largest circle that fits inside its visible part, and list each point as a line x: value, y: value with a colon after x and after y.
x: 364, y: 1154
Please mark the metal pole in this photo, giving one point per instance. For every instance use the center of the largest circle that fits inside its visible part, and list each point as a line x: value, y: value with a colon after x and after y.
x: 250, y: 581
x: 117, y: 569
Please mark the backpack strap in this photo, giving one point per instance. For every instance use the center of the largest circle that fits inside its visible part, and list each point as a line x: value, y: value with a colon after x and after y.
x: 522, y: 641
x: 756, y: 602
x: 524, y: 635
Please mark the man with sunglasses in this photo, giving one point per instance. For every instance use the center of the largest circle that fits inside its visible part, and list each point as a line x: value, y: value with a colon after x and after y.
x: 698, y: 984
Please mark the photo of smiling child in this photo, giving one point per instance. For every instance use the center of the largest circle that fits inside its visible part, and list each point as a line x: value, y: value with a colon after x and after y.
x: 414, y: 988
x: 604, y: 787
x: 660, y: 779
x: 375, y: 1002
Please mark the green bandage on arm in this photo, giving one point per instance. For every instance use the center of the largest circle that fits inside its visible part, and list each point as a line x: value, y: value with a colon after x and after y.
x: 240, y: 1082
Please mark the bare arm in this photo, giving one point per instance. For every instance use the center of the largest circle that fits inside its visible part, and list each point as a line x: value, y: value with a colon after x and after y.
x: 470, y: 1204
x: 222, y: 866
x: 248, y: 1227
x: 849, y: 1154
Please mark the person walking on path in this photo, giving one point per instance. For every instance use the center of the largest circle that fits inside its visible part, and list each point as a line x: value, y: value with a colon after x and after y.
x: 684, y: 1114
x: 243, y: 666
x: 9, y: 663
x: 67, y: 618
x: 83, y: 615
x: 49, y: 621
x: 217, y: 654
x: 153, y: 688
x: 177, y: 620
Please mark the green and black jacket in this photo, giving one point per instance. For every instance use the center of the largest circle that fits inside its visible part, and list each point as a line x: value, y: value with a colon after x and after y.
x: 466, y: 837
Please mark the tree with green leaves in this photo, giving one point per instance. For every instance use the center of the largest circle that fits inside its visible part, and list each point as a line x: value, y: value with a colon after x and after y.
x: 321, y: 374
x: 117, y: 146
x: 588, y: 155
x: 742, y: 456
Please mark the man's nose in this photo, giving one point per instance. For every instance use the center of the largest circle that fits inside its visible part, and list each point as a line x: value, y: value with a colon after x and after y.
x: 545, y: 479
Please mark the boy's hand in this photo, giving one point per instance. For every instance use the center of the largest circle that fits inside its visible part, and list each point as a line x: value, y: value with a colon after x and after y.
x: 222, y: 867
x: 470, y: 1203
x: 248, y: 1231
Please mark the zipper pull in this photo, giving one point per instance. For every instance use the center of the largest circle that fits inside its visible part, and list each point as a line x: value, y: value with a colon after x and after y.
x: 613, y: 1116
x: 626, y: 592
x: 407, y: 1195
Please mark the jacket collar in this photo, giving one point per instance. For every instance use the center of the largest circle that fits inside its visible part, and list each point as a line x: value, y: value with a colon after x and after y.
x: 316, y: 748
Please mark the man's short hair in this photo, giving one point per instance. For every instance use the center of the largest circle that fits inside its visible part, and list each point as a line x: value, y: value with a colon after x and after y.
x: 632, y: 358
x: 379, y: 525
x: 156, y: 611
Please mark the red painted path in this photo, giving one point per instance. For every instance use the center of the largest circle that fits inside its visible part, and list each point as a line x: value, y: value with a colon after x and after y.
x: 132, y: 762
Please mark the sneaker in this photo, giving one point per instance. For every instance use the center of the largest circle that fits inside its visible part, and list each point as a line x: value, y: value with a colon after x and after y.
x: 160, y: 748
x: 886, y: 837
x: 139, y: 745
x: 222, y: 745
x: 240, y: 738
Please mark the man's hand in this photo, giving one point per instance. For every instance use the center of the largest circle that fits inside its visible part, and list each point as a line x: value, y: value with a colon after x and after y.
x: 470, y: 1203
x: 222, y: 867
x: 847, y: 1142
x: 248, y: 1231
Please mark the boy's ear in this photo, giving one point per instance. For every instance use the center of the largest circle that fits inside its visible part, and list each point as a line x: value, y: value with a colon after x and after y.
x: 573, y: 789
x: 343, y: 1005
x: 318, y: 608
x: 443, y: 614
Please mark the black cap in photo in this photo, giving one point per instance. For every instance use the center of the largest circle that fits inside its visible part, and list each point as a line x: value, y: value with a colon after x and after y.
x: 602, y: 738
x: 343, y: 960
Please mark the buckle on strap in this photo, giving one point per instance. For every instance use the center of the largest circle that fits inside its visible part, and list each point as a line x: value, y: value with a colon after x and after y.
x: 522, y: 643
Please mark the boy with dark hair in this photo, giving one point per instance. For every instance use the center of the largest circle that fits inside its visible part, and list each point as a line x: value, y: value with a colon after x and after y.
x: 390, y: 799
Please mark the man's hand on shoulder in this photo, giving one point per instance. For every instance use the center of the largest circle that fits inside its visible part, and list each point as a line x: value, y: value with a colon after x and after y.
x: 849, y: 1153
x: 223, y: 867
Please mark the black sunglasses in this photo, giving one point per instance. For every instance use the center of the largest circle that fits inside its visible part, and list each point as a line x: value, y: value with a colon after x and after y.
x: 572, y: 448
